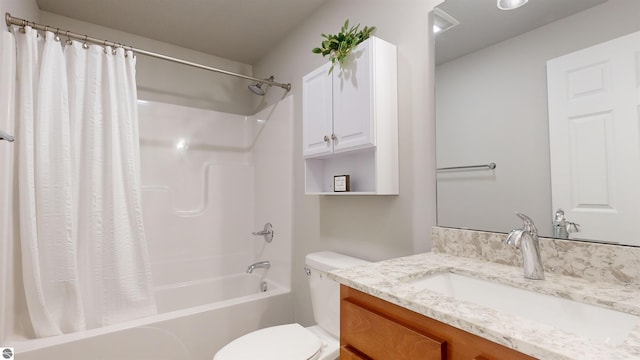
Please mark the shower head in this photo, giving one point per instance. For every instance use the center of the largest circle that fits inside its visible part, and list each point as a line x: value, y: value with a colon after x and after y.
x: 257, y: 88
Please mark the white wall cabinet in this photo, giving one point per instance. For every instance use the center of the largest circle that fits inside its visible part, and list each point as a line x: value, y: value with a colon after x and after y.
x: 317, y: 113
x: 350, y: 122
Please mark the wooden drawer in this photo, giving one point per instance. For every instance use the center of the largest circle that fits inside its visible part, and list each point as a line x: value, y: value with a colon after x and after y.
x: 348, y: 354
x: 381, y: 338
x: 373, y: 328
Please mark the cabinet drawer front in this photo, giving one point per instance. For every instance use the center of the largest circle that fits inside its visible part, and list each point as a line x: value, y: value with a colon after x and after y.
x: 383, y: 338
x: 347, y: 354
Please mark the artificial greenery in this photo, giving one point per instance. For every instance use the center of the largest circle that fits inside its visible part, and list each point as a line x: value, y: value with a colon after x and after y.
x: 340, y: 45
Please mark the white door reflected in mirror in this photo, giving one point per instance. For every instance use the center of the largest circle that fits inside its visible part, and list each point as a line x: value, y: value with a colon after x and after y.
x: 595, y: 139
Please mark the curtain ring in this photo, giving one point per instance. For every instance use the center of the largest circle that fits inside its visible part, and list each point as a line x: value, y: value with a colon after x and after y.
x: 85, y: 45
x: 57, y: 38
x: 22, y: 28
x: 69, y: 42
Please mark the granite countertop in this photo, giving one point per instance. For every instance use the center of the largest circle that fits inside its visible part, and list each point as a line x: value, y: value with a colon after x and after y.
x: 391, y: 280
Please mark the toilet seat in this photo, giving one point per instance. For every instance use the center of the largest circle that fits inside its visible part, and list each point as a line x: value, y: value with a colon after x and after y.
x: 284, y: 342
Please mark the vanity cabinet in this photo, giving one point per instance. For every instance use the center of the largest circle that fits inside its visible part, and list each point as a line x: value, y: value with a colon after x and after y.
x: 371, y: 328
x: 350, y: 122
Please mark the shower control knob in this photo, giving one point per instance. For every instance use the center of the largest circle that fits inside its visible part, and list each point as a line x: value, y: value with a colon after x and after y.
x: 326, y: 138
x: 267, y: 232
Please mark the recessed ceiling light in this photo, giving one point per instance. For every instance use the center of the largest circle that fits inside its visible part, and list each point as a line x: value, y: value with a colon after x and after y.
x: 443, y: 21
x: 510, y: 4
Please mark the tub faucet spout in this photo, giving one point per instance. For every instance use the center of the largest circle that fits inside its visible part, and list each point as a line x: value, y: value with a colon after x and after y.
x: 259, y: 264
x: 526, y: 239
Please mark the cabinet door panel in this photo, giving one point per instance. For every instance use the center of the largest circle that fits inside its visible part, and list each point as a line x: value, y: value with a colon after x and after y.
x: 381, y: 338
x: 353, y: 101
x: 317, y: 112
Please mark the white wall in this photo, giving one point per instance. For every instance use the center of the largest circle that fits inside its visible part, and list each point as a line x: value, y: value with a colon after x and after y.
x: 492, y: 107
x: 20, y: 8
x: 369, y: 227
x: 161, y: 80
x: 8, y: 199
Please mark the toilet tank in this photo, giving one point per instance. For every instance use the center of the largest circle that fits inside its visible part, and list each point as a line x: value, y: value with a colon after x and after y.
x: 325, y: 293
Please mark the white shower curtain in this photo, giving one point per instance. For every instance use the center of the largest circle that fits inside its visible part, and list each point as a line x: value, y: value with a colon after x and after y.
x: 84, y: 256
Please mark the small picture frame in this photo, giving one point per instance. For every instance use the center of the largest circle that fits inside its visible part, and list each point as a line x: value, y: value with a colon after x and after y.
x: 341, y: 183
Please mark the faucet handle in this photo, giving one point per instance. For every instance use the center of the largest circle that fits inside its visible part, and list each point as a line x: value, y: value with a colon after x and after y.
x: 514, y: 238
x: 267, y: 232
x: 528, y: 223
x: 559, y: 218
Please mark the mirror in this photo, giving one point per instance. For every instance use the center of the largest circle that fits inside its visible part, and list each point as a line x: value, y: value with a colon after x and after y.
x: 492, y: 107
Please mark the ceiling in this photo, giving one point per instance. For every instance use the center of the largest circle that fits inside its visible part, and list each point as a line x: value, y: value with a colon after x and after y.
x: 239, y: 30
x: 483, y: 24
x: 245, y: 30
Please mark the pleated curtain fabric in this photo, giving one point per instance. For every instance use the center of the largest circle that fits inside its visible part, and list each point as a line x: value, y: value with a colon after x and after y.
x: 84, y: 255
x: 7, y: 177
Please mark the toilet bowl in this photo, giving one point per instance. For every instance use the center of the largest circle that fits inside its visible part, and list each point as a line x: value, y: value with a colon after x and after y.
x: 293, y: 341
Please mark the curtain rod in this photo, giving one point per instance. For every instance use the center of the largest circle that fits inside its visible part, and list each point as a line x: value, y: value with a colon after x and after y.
x: 10, y: 20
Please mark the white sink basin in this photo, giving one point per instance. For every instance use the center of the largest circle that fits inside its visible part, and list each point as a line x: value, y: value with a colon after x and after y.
x: 593, y: 322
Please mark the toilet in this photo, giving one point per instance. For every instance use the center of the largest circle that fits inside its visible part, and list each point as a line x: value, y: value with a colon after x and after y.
x: 292, y: 341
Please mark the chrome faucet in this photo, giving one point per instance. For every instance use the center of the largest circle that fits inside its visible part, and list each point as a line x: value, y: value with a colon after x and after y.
x: 259, y: 264
x: 563, y: 227
x: 526, y: 239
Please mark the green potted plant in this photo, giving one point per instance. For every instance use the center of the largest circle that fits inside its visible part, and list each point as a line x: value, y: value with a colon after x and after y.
x: 338, y: 46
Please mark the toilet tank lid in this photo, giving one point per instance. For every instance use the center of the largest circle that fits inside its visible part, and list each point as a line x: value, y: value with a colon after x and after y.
x: 329, y: 260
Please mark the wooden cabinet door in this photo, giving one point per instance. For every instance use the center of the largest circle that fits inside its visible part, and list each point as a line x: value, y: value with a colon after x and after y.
x: 383, y: 339
x: 317, y: 112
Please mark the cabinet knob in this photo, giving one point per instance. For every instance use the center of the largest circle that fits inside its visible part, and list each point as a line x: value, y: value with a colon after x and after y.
x: 334, y: 137
x: 326, y: 138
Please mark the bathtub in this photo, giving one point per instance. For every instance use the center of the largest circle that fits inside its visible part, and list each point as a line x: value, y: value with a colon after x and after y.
x: 194, y: 320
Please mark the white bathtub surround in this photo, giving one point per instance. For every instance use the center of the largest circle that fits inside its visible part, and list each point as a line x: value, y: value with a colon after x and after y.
x: 209, y: 179
x: 215, y: 290
x: 194, y: 320
x: 84, y: 255
x: 394, y: 281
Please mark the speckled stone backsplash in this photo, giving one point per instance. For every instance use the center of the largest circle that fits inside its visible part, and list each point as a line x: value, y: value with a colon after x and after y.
x: 591, y: 261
